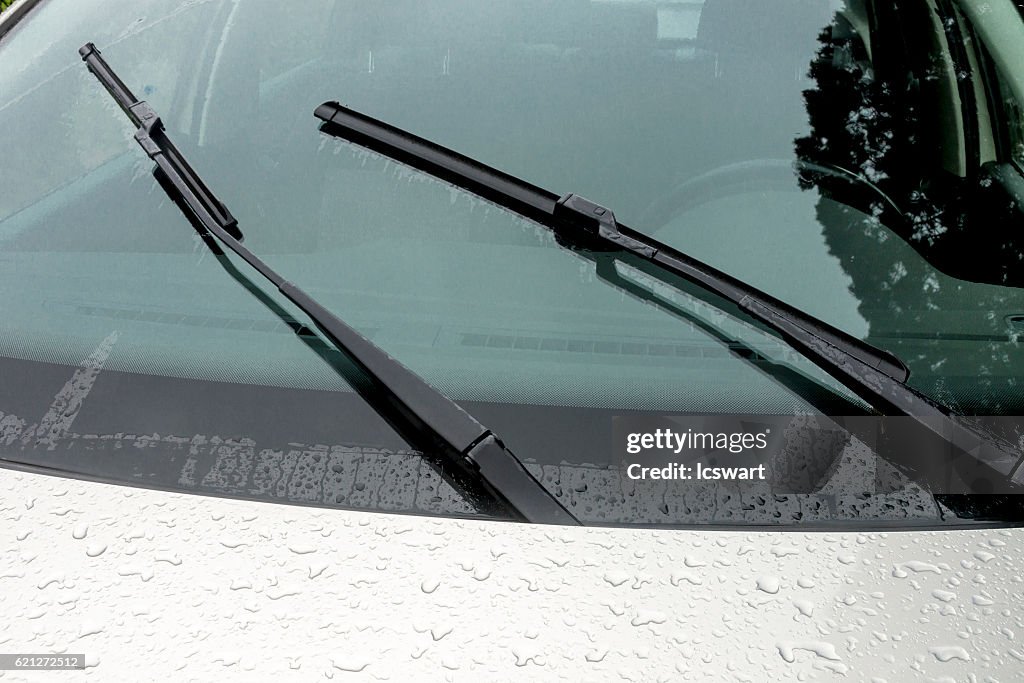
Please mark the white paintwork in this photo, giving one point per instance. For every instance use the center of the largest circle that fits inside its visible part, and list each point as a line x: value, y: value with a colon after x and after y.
x: 159, y: 586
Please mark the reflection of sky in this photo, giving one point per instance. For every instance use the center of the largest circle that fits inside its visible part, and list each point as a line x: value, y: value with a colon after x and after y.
x: 679, y: 21
x: 676, y: 20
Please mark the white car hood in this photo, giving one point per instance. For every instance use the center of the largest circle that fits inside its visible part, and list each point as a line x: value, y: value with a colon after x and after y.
x: 155, y: 585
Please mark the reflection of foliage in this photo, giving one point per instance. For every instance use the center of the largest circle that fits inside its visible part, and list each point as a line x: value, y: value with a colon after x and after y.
x: 881, y: 128
x: 860, y: 123
x: 873, y: 127
x: 891, y: 129
x: 854, y: 125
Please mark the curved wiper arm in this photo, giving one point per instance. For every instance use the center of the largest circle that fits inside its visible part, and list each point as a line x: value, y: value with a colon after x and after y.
x: 877, y: 377
x: 437, y: 420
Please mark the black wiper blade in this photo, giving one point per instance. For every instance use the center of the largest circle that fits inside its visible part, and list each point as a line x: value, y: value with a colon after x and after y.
x: 432, y: 416
x: 584, y: 223
x: 877, y: 377
x: 153, y: 139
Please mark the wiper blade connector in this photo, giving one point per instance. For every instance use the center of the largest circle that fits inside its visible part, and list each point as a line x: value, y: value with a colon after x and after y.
x: 410, y: 401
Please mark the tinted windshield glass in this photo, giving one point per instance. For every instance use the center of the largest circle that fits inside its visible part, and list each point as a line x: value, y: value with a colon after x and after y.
x: 778, y: 141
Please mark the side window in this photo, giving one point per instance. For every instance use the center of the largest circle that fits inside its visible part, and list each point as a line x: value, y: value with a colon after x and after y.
x: 997, y: 31
x: 942, y: 83
x: 1013, y: 114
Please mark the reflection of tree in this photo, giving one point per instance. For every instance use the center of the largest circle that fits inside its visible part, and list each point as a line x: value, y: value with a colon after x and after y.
x: 880, y: 128
x: 852, y: 116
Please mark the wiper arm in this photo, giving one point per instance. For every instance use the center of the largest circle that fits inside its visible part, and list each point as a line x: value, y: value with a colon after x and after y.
x: 877, y: 377
x: 583, y: 223
x: 432, y: 416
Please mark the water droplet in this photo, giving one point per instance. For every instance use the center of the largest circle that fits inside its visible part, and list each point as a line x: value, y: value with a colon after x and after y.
x: 616, y: 578
x: 644, y: 617
x: 948, y: 652
x: 805, y: 607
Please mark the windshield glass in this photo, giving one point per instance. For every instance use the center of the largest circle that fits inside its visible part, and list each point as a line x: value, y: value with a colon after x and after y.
x: 778, y: 141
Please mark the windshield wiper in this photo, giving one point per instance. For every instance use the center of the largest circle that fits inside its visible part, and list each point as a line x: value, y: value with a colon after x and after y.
x: 437, y: 420
x: 875, y: 376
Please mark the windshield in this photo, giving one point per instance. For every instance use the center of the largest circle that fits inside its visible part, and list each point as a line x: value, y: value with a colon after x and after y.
x: 778, y: 141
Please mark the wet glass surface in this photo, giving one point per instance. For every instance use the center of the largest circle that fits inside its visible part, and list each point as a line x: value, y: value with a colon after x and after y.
x: 860, y: 170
